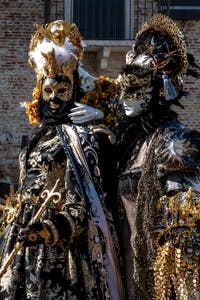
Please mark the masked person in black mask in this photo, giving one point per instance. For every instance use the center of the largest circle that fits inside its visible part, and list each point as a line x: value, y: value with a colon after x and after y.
x: 158, y: 165
x: 59, y: 239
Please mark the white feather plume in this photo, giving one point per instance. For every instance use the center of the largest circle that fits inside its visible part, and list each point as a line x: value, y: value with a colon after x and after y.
x: 62, y: 53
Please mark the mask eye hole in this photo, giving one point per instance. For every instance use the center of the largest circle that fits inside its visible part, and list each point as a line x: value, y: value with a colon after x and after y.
x: 48, y: 90
x: 62, y: 90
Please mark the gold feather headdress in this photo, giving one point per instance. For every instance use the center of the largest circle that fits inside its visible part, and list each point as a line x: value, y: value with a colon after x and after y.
x: 55, y: 49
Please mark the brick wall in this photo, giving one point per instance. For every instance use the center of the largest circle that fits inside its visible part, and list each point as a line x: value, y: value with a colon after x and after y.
x: 191, y: 114
x: 17, y: 79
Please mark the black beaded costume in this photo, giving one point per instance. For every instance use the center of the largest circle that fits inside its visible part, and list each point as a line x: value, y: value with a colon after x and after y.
x: 159, y: 165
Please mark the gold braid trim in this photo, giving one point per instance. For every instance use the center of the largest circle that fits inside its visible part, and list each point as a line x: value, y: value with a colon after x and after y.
x: 177, y: 261
x: 163, y: 268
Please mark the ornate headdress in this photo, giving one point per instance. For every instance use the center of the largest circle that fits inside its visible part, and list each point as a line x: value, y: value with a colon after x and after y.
x: 159, y: 52
x: 55, y: 50
x: 175, y: 45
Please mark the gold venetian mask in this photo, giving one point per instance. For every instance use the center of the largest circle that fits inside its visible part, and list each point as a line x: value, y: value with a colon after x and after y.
x: 56, y: 89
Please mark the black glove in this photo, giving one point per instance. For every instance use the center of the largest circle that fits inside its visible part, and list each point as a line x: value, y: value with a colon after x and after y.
x: 34, y: 234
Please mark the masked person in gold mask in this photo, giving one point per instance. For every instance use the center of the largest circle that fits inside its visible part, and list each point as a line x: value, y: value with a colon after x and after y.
x: 58, y: 239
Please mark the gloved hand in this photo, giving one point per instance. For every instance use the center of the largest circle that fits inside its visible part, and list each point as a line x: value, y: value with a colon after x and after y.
x: 34, y: 234
x: 83, y: 113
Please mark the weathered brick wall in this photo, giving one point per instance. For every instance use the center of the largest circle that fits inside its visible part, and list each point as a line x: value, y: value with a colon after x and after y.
x: 191, y: 114
x: 17, y: 79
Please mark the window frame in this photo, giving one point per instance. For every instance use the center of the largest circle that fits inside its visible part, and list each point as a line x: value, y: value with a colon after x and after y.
x: 182, y: 9
x: 128, y: 20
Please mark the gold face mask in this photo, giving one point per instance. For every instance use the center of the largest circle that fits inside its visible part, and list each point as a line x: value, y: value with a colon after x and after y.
x: 134, y: 82
x: 54, y: 90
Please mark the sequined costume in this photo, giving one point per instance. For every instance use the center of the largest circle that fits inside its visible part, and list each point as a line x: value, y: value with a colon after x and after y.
x: 159, y: 163
x: 159, y: 189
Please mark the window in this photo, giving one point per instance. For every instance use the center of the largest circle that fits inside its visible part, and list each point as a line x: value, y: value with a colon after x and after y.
x: 101, y: 19
x: 181, y: 9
